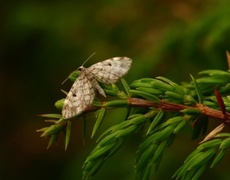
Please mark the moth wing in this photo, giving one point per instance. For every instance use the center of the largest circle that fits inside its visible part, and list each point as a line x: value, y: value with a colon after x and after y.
x: 111, y: 70
x: 80, y: 97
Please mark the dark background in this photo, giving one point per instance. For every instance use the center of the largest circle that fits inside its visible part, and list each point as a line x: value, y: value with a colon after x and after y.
x: 41, y: 42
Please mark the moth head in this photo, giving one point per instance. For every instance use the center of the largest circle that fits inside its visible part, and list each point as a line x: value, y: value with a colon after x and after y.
x: 80, y: 68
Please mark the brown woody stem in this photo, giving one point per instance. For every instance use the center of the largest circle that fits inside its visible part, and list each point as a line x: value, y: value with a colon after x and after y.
x: 168, y: 106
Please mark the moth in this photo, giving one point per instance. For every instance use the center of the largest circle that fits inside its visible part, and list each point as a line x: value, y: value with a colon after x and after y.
x: 83, y: 90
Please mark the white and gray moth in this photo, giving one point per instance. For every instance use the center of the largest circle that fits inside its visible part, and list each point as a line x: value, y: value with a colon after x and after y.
x: 83, y: 90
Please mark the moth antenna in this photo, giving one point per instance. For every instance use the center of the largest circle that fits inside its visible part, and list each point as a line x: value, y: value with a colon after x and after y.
x: 65, y: 80
x: 82, y: 65
x: 88, y: 58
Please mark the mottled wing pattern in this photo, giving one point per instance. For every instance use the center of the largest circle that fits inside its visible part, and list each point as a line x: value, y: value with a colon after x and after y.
x: 111, y: 70
x: 80, y: 96
x: 82, y: 93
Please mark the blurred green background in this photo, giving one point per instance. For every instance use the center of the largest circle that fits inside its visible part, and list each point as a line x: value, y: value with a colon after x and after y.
x: 41, y: 42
